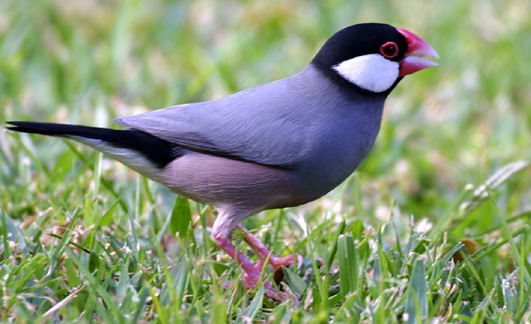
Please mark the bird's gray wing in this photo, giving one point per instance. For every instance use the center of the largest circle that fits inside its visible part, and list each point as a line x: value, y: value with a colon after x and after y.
x: 264, y: 125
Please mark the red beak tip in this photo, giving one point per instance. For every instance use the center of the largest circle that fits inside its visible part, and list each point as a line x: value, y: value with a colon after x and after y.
x: 416, y: 54
x: 417, y: 46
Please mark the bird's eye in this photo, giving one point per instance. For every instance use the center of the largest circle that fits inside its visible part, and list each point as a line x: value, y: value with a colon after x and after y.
x: 389, y: 50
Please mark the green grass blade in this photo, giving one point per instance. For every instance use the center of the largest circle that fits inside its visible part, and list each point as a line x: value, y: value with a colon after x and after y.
x: 181, y: 218
x: 417, y: 299
x: 348, y: 265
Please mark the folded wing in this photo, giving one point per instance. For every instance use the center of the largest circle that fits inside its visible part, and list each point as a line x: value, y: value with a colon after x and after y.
x: 263, y: 125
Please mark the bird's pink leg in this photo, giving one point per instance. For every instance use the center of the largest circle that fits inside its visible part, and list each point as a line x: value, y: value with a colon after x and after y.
x: 275, y: 261
x: 252, y: 273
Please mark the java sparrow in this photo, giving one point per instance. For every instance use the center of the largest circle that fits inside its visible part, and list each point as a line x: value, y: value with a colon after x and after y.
x: 276, y: 145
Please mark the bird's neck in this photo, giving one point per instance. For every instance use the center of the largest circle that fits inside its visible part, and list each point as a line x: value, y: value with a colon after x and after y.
x: 315, y: 85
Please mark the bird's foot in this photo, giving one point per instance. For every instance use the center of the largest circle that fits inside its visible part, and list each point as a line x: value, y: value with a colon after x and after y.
x: 253, y: 273
x: 250, y: 282
x: 276, y: 262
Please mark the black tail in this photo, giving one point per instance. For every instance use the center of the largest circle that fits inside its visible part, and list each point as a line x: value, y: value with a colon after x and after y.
x: 156, y: 150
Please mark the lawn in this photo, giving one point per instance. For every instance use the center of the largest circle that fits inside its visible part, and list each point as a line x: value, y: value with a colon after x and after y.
x: 433, y: 227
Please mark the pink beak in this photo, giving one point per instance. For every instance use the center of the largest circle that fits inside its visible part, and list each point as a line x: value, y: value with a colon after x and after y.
x: 415, y: 58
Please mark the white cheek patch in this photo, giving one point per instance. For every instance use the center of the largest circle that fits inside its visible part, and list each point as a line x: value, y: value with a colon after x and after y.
x: 131, y: 158
x: 371, y: 72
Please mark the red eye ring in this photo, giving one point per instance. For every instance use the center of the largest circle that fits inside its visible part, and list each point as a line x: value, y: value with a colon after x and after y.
x: 389, y: 50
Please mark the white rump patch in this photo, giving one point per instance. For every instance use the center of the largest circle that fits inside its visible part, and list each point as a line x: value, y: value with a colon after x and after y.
x: 371, y: 72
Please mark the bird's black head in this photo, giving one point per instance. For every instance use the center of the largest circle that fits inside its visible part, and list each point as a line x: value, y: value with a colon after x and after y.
x: 373, y: 57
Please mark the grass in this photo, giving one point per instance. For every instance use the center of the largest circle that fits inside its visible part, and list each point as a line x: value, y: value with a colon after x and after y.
x: 432, y: 228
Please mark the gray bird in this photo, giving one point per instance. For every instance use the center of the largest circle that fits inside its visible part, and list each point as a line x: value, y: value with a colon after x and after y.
x: 280, y: 144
